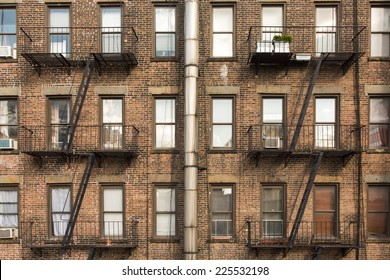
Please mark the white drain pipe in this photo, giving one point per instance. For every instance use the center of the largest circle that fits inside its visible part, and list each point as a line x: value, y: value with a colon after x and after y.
x: 191, y: 56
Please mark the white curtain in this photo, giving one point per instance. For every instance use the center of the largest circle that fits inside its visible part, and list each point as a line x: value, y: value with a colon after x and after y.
x: 8, y: 208
x: 60, y: 207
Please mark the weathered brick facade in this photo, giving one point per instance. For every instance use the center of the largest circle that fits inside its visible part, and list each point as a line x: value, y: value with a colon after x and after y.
x: 153, y: 77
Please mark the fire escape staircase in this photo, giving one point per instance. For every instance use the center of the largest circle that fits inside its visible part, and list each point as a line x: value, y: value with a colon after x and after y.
x: 305, y: 198
x: 78, y: 202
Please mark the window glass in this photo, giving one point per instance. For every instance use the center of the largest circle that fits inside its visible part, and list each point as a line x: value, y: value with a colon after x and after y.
x: 8, y: 119
x: 112, y: 111
x: 325, y: 123
x: 378, y: 210
x: 8, y: 29
x: 59, y: 119
x: 379, y: 122
x: 325, y: 212
x: 272, y: 203
x: 273, y: 110
x: 165, y: 118
x: 222, y: 122
x: 113, y: 212
x: 223, y: 31
x: 271, y: 17
x: 8, y: 208
x: 222, y: 212
x: 60, y: 210
x: 111, y: 20
x: 165, y: 207
x: 380, y: 31
x: 59, y: 31
x: 326, y: 22
x: 165, y: 28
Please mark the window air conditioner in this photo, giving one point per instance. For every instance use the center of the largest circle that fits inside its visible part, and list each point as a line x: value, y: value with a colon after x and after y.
x: 8, y: 144
x: 272, y: 143
x: 7, y: 233
x: 5, y: 51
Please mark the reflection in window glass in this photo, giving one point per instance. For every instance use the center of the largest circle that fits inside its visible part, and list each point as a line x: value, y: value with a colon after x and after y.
x: 8, y: 29
x: 273, y: 118
x: 8, y: 119
x: 59, y: 119
x: 112, y: 127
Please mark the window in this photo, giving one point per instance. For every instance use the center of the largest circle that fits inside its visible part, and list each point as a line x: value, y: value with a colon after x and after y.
x: 325, y: 119
x: 59, y: 31
x: 325, y: 211
x: 273, y: 211
x: 8, y: 30
x: 165, y: 123
x: 221, y: 211
x: 272, y: 19
x: 380, y: 31
x: 111, y: 22
x: 326, y: 29
x: 379, y: 122
x: 165, y: 31
x: 273, y: 119
x: 8, y: 207
x: 165, y: 211
x: 222, y: 122
x: 223, y: 31
x: 60, y: 205
x: 378, y: 218
x: 112, y: 123
x: 113, y: 211
x: 58, y: 119
x: 8, y: 119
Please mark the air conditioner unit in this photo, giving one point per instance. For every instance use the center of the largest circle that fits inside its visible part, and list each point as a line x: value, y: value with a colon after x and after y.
x: 8, y: 144
x: 272, y: 143
x: 8, y: 233
x: 5, y: 51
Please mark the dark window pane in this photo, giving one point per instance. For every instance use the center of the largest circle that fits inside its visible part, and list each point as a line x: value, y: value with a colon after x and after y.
x: 378, y: 199
x: 377, y: 223
x: 272, y: 199
x: 221, y: 199
x: 325, y: 198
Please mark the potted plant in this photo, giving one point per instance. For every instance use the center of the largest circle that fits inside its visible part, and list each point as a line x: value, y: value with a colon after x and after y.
x: 282, y: 43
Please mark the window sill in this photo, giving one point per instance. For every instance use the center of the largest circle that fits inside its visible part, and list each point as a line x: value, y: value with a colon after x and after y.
x: 164, y: 59
x: 378, y: 239
x: 222, y: 59
x: 378, y: 151
x: 165, y: 240
x: 382, y: 58
x: 228, y: 239
x: 171, y: 151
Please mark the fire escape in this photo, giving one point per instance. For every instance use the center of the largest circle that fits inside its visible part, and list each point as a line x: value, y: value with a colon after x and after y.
x: 288, y: 141
x: 94, y: 142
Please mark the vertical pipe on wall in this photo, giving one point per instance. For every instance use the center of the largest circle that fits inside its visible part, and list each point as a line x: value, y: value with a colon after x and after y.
x: 191, y: 56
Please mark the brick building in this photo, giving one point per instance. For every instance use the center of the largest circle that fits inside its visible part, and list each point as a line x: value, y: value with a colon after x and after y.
x: 291, y: 132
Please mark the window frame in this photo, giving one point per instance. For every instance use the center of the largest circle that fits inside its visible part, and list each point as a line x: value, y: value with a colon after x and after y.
x: 170, y: 186
x: 232, y: 124
x: 67, y: 54
x: 112, y: 186
x: 283, y: 123
x: 13, y: 49
x: 336, y: 32
x: 336, y: 211
x: 233, y: 32
x: 336, y: 123
x: 50, y: 211
x: 11, y: 187
x: 121, y: 32
x: 16, y: 126
x: 154, y: 40
x: 155, y: 123
x: 121, y: 144
x: 50, y: 124
x: 232, y: 212
x: 376, y: 123
x: 384, y: 6
x: 376, y: 236
x: 283, y: 187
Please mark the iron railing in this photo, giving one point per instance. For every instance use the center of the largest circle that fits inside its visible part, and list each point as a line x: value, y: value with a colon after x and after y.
x: 307, y: 39
x: 265, y: 233
x: 40, y: 234
x: 320, y: 137
x: 77, y: 43
x: 88, y: 138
